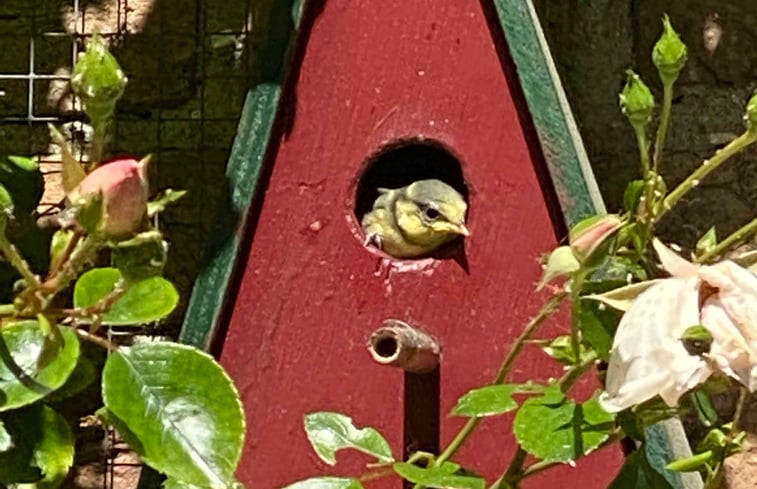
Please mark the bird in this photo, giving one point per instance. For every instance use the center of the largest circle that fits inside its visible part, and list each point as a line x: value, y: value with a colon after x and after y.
x: 415, y: 220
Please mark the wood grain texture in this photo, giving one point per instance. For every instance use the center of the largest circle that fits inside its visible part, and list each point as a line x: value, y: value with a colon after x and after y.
x: 310, y: 295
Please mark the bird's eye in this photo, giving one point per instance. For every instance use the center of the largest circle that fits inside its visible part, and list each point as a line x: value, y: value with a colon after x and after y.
x: 430, y: 213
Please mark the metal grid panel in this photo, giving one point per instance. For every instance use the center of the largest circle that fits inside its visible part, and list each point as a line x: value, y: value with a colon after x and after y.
x: 188, y: 62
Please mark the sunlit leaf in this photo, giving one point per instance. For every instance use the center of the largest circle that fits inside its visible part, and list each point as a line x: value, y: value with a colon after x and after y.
x: 187, y: 420
x: 22, y: 379
x: 561, y: 349
x: 492, y: 399
x: 23, y: 180
x: 442, y: 477
x: 72, y: 171
x: 145, y: 301
x: 42, y: 451
x: 707, y: 242
x: 168, y: 197
x: 556, y: 429
x: 622, y: 298
x: 326, y: 483
x: 5, y: 438
x: 331, y: 432
x: 632, y: 194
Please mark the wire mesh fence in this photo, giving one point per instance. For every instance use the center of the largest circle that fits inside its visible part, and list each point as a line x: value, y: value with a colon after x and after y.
x: 188, y: 64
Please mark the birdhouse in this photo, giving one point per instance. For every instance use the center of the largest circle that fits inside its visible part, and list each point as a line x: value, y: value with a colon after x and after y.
x: 381, y: 94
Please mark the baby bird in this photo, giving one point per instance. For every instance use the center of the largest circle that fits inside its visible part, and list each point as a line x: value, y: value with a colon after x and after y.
x: 413, y: 221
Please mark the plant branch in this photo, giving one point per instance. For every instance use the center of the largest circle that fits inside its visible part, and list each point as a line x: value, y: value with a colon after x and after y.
x: 574, y: 373
x: 643, y: 143
x: 740, y: 406
x: 63, y: 258
x: 734, y: 238
x: 18, y: 262
x: 93, y: 338
x: 662, y: 129
x: 546, y: 311
x: 707, y: 166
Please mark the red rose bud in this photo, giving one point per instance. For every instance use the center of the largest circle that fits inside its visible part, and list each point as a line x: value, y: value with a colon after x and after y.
x: 589, y: 234
x: 123, y: 186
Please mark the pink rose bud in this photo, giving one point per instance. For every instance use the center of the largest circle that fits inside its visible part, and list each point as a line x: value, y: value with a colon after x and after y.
x: 124, y: 189
x: 587, y: 235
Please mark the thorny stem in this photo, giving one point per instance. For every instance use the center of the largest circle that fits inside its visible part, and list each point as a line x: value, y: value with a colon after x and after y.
x: 575, y: 289
x: 18, y: 262
x: 736, y: 237
x: 63, y: 258
x: 707, y: 166
x: 743, y: 399
x: 643, y: 143
x: 93, y: 338
x: 79, y: 258
x: 546, y: 311
x: 662, y: 129
x: 542, y: 465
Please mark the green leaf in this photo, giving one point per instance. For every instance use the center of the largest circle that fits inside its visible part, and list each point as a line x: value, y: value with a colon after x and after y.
x: 637, y: 473
x: 168, y: 197
x: 173, y: 483
x: 187, y: 419
x: 43, y: 448
x: 613, y: 272
x: 5, y: 438
x: 556, y: 429
x: 141, y: 257
x: 326, y: 483
x: 632, y: 194
x: 23, y: 180
x: 22, y: 379
x: 6, y: 203
x: 692, y: 463
x: 622, y: 298
x: 561, y: 349
x: 598, y: 327
x: 330, y: 432
x: 83, y: 375
x: 707, y: 242
x: 145, y: 301
x: 492, y: 399
x: 443, y: 477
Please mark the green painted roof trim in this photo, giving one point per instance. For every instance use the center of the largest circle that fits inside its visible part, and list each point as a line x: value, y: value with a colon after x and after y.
x: 560, y: 140
x: 251, y: 145
x: 573, y: 179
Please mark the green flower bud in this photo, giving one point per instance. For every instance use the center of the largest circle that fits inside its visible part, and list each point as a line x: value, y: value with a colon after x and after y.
x: 636, y: 100
x: 751, y: 113
x: 98, y: 80
x: 669, y: 53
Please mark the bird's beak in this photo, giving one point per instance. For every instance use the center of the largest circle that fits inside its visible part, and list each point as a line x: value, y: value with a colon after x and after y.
x: 462, y: 230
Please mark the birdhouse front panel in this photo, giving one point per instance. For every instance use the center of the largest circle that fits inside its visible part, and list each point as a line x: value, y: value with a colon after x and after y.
x: 377, y: 77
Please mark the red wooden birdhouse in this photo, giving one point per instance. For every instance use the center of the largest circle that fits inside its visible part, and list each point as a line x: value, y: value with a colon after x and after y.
x: 381, y: 94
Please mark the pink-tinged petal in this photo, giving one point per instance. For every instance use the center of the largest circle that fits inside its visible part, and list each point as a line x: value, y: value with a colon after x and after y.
x: 674, y: 264
x: 124, y: 188
x: 730, y: 352
x: 737, y: 292
x: 648, y: 357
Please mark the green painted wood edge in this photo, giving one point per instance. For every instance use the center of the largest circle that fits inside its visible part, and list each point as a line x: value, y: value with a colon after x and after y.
x: 560, y: 140
x: 251, y: 144
x: 573, y: 178
x: 243, y: 171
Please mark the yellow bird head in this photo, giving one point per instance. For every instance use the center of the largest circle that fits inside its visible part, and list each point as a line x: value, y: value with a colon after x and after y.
x: 417, y: 219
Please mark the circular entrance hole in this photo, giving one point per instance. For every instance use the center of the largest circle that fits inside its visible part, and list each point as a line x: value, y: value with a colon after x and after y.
x: 402, y: 163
